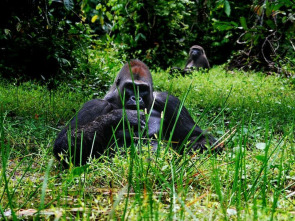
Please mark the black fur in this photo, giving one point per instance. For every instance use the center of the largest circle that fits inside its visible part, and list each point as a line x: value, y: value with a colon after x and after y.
x: 197, y: 58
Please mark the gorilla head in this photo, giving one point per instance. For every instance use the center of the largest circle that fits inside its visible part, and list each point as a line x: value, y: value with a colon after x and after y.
x: 134, y: 87
x: 196, y: 51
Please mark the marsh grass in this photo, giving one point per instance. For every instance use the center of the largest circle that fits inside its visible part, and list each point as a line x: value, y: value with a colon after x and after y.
x: 253, y: 178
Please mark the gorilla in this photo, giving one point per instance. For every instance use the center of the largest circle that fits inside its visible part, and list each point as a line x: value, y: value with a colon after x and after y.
x: 130, y: 108
x: 197, y: 58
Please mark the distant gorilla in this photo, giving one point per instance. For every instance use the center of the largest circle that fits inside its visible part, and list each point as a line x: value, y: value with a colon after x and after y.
x: 93, y: 130
x: 197, y: 58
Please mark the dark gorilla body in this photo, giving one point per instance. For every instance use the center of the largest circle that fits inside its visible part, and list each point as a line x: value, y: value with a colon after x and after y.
x: 197, y: 58
x: 98, y: 118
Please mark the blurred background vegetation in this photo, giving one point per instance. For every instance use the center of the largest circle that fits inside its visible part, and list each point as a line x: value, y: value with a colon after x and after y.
x: 73, y: 40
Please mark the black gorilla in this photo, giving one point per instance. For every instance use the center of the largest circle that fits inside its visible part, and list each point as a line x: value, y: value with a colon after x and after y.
x: 197, y: 58
x: 100, y: 119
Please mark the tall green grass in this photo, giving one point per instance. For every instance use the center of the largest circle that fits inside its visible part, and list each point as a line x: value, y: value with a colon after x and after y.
x: 253, y: 178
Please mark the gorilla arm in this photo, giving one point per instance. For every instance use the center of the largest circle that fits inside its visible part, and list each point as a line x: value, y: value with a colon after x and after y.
x: 95, y: 123
x: 189, y: 63
x: 203, y: 62
x: 184, y: 125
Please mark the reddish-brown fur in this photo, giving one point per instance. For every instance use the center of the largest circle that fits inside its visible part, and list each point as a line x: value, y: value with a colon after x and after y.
x: 139, y: 71
x: 139, y: 68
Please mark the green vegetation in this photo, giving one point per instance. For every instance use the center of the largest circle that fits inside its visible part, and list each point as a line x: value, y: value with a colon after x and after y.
x: 57, y: 35
x: 57, y: 54
x: 253, y: 177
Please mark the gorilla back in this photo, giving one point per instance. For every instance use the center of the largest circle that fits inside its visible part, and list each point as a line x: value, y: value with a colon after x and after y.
x: 100, y: 121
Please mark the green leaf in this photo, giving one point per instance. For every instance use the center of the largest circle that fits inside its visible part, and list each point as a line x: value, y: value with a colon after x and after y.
x: 99, y: 6
x: 278, y: 6
x: 94, y: 18
x: 109, y: 16
x: 260, y: 158
x: 227, y: 8
x: 77, y: 171
x: 268, y: 9
x: 271, y: 24
x: 117, y: 7
x: 7, y: 31
x: 18, y: 26
x: 140, y: 35
x: 69, y: 5
x: 247, y: 37
x: 223, y: 26
x: 234, y: 23
x: 243, y: 23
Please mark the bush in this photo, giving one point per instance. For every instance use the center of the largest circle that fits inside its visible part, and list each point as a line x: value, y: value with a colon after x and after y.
x: 266, y: 38
x: 42, y: 40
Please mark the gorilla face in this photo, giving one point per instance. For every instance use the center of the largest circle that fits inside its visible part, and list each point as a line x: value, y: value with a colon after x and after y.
x: 136, y: 87
x: 196, y: 52
x: 137, y: 92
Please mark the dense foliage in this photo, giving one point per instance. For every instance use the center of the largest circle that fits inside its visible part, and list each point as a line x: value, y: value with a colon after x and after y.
x: 42, y: 39
x: 55, y: 39
x: 267, y: 37
x: 160, y: 32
